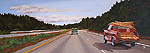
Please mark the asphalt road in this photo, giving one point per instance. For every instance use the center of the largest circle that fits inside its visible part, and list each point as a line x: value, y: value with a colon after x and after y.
x: 84, y: 42
x: 22, y: 34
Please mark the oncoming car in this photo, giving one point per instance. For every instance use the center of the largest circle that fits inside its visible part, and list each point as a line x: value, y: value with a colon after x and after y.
x: 74, y: 31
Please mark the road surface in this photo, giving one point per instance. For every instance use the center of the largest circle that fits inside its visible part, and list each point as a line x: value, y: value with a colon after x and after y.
x: 84, y: 42
x: 22, y: 34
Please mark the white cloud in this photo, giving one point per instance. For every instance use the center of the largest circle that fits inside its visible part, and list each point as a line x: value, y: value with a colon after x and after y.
x: 57, y: 18
x: 84, y: 10
x: 35, y: 9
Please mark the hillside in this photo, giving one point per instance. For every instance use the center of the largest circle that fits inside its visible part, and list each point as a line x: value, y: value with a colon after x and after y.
x: 9, y: 22
x: 127, y: 10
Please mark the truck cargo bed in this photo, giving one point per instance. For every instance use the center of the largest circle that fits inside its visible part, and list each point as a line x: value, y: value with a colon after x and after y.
x: 128, y: 36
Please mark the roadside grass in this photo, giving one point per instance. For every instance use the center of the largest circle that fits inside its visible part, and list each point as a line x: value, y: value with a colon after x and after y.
x: 12, y: 44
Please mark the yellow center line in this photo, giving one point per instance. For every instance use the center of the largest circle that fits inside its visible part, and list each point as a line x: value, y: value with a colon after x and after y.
x: 44, y: 43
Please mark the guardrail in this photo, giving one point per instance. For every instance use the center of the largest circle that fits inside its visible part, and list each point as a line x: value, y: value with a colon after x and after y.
x: 27, y: 31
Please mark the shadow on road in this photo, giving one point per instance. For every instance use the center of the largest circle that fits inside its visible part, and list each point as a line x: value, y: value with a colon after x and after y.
x: 109, y: 47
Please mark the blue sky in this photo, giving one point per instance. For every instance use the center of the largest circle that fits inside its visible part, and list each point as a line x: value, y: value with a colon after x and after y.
x: 57, y: 12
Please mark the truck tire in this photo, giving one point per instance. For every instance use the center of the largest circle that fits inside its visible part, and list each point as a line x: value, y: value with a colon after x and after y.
x: 133, y: 44
x: 105, y: 41
x: 113, y: 42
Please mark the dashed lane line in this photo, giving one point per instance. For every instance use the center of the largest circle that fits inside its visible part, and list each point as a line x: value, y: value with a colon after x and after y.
x: 103, y: 51
x: 143, y: 44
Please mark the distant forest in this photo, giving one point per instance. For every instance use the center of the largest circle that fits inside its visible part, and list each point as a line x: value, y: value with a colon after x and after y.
x: 10, y: 22
x: 137, y: 11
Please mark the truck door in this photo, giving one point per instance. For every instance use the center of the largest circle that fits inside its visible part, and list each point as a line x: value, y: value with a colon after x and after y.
x: 108, y: 37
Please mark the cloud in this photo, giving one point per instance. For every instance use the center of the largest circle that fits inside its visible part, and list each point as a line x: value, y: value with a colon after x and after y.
x: 84, y: 10
x: 35, y: 9
x: 57, y: 18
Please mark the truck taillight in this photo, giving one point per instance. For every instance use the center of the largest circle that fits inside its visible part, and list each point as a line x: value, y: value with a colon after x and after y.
x: 137, y: 34
x: 117, y: 34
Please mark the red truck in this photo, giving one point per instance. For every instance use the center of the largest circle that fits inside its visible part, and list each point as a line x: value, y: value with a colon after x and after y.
x: 121, y: 32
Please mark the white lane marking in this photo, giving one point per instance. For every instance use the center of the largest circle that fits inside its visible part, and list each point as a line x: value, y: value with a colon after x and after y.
x: 144, y: 45
x: 138, y: 43
x: 147, y: 45
x: 103, y: 51
x: 96, y: 34
x: 100, y: 35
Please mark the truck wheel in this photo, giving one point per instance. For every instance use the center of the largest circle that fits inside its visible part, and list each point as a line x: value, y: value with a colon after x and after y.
x: 113, y: 42
x: 105, y: 41
x: 133, y: 44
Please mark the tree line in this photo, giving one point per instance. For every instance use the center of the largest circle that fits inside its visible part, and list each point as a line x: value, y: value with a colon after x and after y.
x: 10, y: 22
x: 137, y: 11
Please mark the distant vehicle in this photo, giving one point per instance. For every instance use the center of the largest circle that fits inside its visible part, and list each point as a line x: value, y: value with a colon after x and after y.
x: 74, y: 31
x: 121, y: 32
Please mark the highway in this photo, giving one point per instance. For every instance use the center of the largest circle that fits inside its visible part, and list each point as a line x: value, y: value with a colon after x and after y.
x: 84, y: 42
x: 22, y: 34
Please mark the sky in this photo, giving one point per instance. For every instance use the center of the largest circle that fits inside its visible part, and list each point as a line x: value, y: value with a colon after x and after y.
x: 57, y: 12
